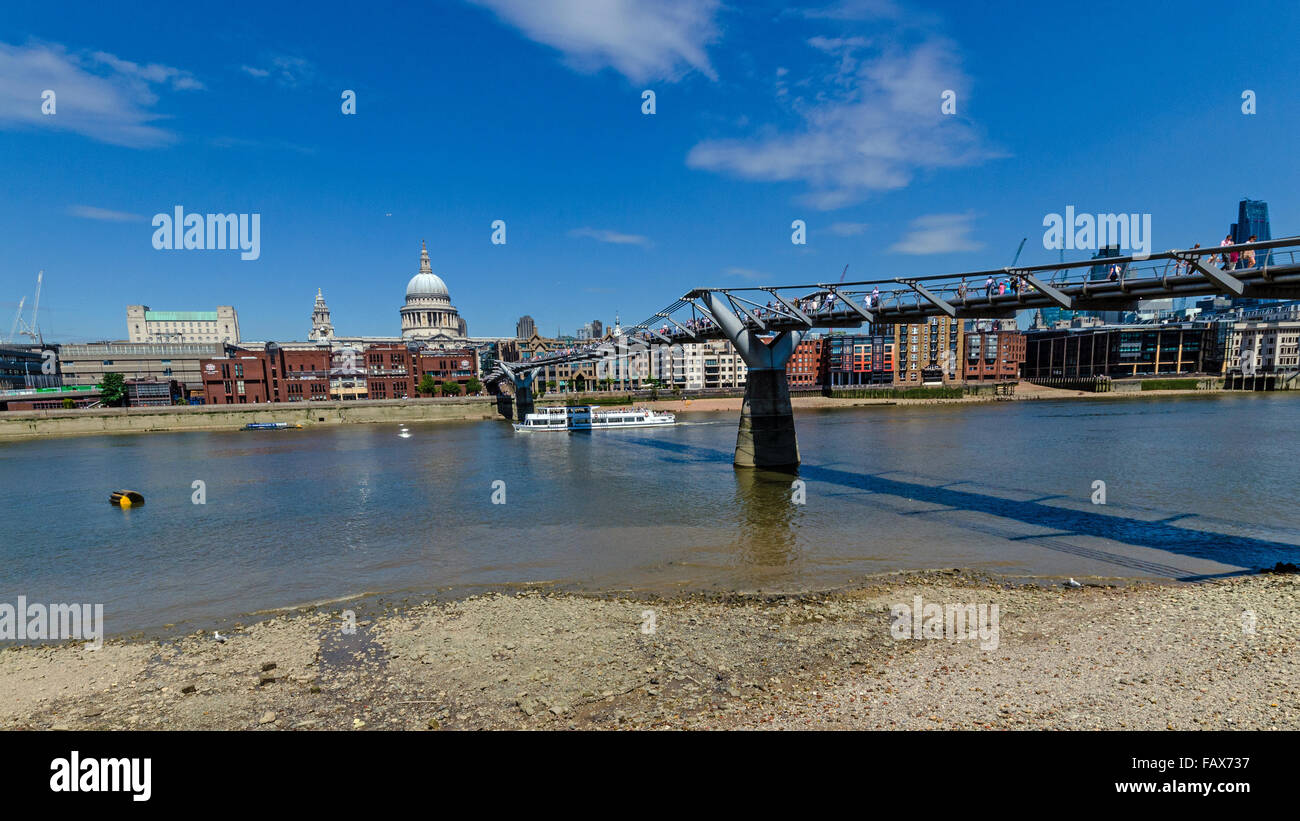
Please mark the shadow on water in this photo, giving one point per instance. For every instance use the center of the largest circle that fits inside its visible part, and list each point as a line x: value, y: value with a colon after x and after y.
x: 765, y: 499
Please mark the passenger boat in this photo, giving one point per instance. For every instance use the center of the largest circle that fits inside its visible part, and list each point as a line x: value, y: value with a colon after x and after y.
x: 592, y: 417
x: 270, y: 426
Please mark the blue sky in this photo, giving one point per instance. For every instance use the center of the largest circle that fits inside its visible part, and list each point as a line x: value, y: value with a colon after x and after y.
x: 529, y: 111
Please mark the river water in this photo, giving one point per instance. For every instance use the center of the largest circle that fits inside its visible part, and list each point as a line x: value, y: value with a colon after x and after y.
x: 1194, y: 488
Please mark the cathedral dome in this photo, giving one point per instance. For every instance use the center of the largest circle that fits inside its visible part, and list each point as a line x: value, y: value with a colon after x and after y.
x: 426, y: 284
x: 428, y: 313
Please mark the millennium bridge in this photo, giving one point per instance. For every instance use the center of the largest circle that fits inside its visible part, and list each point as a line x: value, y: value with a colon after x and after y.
x: 766, y: 323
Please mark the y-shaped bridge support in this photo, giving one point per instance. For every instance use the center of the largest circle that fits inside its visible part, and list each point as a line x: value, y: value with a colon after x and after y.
x: 524, y: 392
x: 766, y: 438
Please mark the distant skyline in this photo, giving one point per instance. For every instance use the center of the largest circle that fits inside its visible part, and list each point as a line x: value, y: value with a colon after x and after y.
x: 530, y: 112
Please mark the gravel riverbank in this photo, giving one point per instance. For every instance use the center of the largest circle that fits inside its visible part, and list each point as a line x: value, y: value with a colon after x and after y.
x: 1215, y: 655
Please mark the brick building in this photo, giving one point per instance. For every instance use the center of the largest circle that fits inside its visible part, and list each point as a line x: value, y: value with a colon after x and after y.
x: 272, y: 375
x: 993, y: 354
x: 459, y: 366
x: 806, y: 367
x: 929, y: 352
x: 390, y: 372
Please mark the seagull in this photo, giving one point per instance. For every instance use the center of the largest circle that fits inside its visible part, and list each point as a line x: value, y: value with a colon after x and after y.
x: 216, y: 635
x: 1072, y: 583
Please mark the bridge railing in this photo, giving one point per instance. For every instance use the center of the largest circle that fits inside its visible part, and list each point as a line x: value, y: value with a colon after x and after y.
x: 1113, y: 279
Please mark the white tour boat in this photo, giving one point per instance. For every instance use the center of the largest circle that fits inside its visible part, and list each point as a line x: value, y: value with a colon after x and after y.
x: 592, y: 417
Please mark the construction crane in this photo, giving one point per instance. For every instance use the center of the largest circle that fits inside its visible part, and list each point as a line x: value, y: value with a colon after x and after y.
x: 13, y: 330
x: 21, y: 326
x: 1016, y: 258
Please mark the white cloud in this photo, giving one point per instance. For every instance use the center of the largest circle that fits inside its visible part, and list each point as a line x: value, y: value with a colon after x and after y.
x: 938, y: 234
x: 286, y: 71
x: 641, y: 39
x: 856, y: 10
x: 746, y: 273
x: 847, y: 229
x: 98, y: 95
x: 869, y: 123
x: 90, y: 212
x: 151, y: 73
x: 614, y: 237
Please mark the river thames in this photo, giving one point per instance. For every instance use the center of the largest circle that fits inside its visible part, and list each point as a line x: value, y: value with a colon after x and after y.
x: 1194, y: 488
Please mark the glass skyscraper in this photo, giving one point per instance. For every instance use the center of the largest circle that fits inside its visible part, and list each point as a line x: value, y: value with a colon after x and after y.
x: 1252, y: 220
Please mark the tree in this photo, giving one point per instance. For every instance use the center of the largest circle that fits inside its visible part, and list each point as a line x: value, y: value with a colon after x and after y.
x: 426, y: 386
x: 472, y: 385
x: 450, y: 388
x: 112, y: 391
x: 69, y: 403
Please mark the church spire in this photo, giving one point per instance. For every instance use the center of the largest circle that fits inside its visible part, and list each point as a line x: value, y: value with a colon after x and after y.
x: 425, y: 266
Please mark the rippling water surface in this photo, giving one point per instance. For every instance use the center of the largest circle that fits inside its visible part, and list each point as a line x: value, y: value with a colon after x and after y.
x: 1194, y: 488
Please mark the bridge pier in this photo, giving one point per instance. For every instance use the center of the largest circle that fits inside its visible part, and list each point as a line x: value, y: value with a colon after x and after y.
x: 524, y: 394
x: 766, y: 436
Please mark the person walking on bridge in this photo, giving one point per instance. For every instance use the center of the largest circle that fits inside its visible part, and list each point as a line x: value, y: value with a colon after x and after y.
x: 1248, y: 257
x: 988, y: 287
x: 1223, y: 258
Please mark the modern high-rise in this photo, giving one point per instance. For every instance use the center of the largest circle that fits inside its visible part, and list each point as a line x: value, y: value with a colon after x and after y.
x: 1252, y: 221
x: 525, y: 327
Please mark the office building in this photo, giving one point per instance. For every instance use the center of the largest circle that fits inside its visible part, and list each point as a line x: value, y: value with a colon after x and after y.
x: 854, y: 360
x: 525, y: 328
x: 181, y: 327
x: 1123, y: 351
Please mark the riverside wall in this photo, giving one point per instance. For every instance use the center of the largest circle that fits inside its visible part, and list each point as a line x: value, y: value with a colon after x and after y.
x: 28, y: 424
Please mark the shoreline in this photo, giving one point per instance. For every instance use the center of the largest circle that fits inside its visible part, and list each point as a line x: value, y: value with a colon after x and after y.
x: 19, y: 426
x: 1142, y: 655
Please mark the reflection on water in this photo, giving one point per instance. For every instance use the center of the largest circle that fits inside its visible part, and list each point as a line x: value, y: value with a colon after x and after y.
x: 767, y: 512
x: 1196, y: 488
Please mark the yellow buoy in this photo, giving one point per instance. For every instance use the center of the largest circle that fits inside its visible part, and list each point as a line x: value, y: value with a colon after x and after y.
x: 125, y: 498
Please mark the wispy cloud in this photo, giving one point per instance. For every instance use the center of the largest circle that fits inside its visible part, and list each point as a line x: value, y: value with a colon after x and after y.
x: 98, y: 94
x: 150, y: 73
x: 90, y: 212
x: 847, y: 229
x: 938, y: 234
x: 856, y: 10
x: 614, y: 237
x: 869, y: 121
x: 641, y: 39
x: 745, y: 273
x: 284, y: 70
